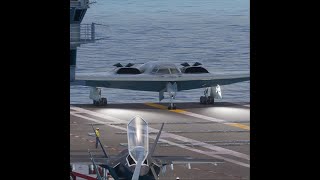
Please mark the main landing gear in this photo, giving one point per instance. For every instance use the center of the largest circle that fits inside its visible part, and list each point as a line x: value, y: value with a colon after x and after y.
x: 210, y: 93
x: 100, y: 102
x: 206, y: 100
x: 95, y: 95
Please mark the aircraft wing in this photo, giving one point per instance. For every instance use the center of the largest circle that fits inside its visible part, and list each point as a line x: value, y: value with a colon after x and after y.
x: 208, y: 80
x: 108, y: 166
x: 156, y: 83
x: 165, y: 160
x: 100, y: 159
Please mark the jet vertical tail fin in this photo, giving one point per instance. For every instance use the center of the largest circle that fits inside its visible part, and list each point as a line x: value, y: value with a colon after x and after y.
x: 156, y: 141
x: 150, y: 159
x: 104, y: 151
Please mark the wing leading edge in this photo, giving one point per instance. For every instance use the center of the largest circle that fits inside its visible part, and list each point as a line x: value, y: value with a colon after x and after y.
x: 158, y: 83
x: 166, y: 160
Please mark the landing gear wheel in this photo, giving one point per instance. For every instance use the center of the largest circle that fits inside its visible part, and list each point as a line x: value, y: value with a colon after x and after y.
x: 101, y: 102
x: 202, y: 100
x: 210, y: 100
x: 173, y: 107
x: 104, y: 101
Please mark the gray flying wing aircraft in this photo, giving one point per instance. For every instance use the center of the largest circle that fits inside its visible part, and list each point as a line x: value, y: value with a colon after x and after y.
x: 138, y: 161
x: 159, y: 77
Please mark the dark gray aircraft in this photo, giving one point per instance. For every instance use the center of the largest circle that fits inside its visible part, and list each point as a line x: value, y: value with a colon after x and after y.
x: 138, y: 161
x: 159, y: 77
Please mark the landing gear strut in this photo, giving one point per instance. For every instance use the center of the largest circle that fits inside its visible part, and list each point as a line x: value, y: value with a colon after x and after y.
x: 95, y: 95
x: 172, y: 90
x: 172, y: 106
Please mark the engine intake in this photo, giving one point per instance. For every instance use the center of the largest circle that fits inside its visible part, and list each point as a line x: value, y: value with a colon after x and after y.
x: 128, y: 70
x: 194, y: 70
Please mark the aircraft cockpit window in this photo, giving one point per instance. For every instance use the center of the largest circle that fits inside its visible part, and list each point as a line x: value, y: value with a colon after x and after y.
x: 154, y: 70
x: 174, y: 71
x: 163, y: 71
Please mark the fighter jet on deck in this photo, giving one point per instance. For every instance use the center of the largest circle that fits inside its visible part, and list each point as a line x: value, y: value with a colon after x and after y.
x: 138, y: 161
x: 159, y: 77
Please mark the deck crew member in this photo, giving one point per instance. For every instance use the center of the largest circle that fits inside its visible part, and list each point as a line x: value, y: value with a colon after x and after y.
x: 97, y: 137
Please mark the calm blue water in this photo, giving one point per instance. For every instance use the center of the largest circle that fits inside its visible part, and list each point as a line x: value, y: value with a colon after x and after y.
x: 213, y: 32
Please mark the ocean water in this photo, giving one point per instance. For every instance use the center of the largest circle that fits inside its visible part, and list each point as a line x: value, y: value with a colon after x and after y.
x: 213, y: 32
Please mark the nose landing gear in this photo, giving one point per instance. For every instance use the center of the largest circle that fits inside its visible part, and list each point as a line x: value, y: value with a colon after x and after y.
x: 172, y: 90
x: 172, y: 106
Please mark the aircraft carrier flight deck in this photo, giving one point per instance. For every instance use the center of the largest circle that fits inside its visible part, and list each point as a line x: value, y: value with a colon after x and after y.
x: 219, y: 131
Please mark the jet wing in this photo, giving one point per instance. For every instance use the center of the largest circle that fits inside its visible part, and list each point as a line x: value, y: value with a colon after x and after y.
x: 83, y: 159
x: 106, y: 166
x: 165, y: 160
x: 210, y: 80
x: 156, y: 83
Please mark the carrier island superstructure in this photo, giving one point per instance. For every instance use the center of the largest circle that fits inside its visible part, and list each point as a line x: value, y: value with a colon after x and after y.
x: 79, y: 33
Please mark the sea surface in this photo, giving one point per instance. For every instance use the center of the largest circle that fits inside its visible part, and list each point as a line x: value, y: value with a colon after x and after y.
x: 212, y: 32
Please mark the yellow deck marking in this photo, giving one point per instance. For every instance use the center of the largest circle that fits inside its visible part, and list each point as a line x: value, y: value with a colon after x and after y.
x: 156, y: 105
x: 238, y: 125
x: 178, y: 111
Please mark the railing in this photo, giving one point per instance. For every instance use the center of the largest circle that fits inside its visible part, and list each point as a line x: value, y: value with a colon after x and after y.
x: 87, y: 32
x: 82, y: 33
x: 79, y: 3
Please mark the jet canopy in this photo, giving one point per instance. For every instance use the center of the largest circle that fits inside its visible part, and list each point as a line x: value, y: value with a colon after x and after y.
x: 138, y: 140
x: 165, y: 69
